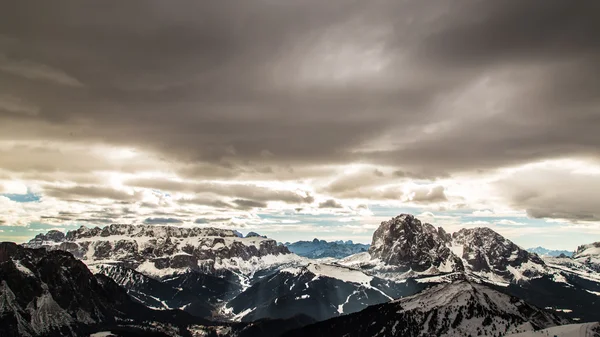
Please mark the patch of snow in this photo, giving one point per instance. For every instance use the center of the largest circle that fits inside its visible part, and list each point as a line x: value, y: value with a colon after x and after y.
x: 102, y: 334
x: 149, y: 269
x: 241, y: 315
x: 303, y: 297
x: 23, y: 269
x: 341, y: 273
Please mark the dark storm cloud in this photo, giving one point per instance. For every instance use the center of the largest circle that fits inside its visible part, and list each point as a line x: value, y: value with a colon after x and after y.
x: 227, y: 85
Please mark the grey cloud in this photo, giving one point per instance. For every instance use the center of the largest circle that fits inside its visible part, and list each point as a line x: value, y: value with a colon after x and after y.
x: 553, y: 193
x: 245, y: 191
x: 245, y: 204
x: 208, y: 220
x: 36, y: 71
x: 230, y: 88
x: 330, y: 204
x: 428, y: 195
x: 157, y: 221
x: 88, y: 192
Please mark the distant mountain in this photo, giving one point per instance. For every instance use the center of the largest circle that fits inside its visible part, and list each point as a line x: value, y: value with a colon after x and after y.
x: 543, y: 252
x: 461, y: 308
x: 317, y: 249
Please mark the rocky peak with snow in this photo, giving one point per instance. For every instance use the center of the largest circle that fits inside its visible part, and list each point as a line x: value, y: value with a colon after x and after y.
x: 405, y: 241
x: 155, y: 248
x: 406, y: 245
x: 484, y: 250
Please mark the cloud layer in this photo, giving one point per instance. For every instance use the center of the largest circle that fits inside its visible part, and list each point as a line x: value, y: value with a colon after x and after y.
x: 238, y: 108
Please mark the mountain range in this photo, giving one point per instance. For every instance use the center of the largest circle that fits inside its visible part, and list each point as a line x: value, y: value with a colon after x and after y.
x: 475, y: 280
x: 543, y: 252
x: 317, y: 249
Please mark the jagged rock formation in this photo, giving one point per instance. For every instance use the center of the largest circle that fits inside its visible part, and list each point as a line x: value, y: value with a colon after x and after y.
x: 405, y: 241
x: 406, y: 247
x: 489, y: 252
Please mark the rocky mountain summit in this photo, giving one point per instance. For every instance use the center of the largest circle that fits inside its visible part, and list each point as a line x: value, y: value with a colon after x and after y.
x: 406, y: 242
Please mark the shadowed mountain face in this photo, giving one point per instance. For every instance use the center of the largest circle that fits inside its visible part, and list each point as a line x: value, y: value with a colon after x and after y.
x: 320, y: 291
x: 54, y: 294
x: 51, y: 293
x: 461, y: 308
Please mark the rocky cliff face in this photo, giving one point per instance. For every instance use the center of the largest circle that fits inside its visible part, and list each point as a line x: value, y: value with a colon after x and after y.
x: 45, y: 293
x: 158, y: 247
x: 406, y: 242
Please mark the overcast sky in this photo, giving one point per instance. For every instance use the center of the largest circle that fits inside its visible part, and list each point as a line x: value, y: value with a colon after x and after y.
x: 301, y: 119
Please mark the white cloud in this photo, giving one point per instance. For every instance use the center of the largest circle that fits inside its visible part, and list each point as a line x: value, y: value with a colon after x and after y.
x: 37, y: 71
